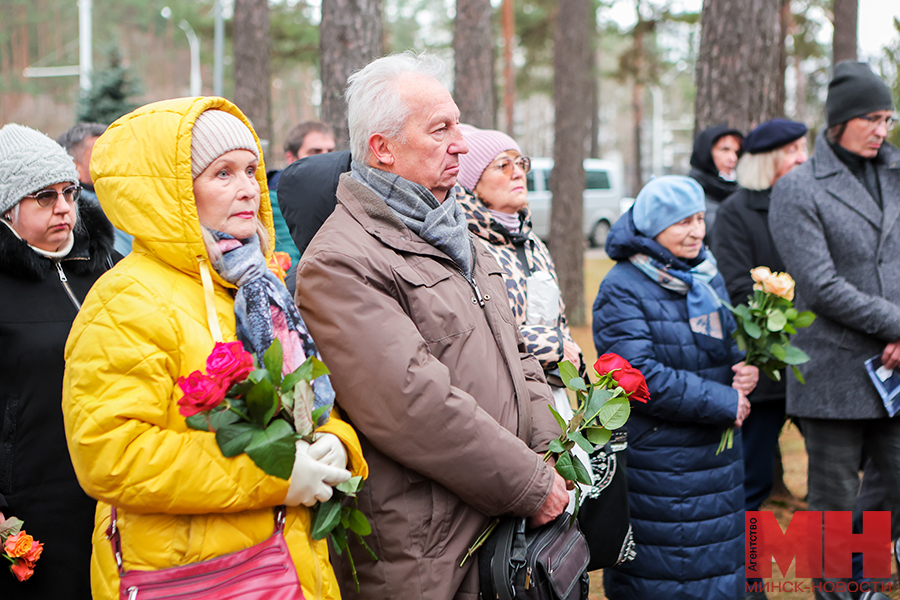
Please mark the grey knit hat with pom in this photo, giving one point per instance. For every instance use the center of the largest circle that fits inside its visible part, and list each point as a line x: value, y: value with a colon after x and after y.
x: 216, y: 132
x: 29, y: 162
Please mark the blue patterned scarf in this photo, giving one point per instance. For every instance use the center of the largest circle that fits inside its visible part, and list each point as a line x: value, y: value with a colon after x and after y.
x: 264, y: 310
x: 707, y: 316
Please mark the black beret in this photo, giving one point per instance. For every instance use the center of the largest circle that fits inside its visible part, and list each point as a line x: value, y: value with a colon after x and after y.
x: 773, y: 134
x: 855, y: 91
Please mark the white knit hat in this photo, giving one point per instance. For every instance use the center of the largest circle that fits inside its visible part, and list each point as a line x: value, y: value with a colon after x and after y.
x: 216, y: 132
x: 29, y: 162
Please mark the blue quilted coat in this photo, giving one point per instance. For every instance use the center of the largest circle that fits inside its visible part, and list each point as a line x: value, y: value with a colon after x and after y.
x: 686, y: 503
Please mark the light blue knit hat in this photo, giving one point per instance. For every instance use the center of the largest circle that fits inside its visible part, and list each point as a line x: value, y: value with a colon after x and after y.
x: 665, y: 201
x: 29, y: 162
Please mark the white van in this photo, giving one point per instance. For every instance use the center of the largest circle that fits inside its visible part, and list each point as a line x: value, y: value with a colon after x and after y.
x: 603, y: 197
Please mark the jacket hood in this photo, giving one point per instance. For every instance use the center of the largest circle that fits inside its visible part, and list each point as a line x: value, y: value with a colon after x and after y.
x: 624, y: 241
x: 90, y: 253
x: 701, y: 156
x: 141, y: 167
x: 481, y: 222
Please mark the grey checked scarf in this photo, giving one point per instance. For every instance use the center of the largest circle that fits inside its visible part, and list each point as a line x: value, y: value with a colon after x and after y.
x: 443, y: 225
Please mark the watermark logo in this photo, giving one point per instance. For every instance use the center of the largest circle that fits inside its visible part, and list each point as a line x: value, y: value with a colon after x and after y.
x: 822, y: 543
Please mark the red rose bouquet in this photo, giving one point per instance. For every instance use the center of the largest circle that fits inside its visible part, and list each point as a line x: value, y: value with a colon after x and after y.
x: 602, y: 406
x: 19, y: 548
x: 252, y: 408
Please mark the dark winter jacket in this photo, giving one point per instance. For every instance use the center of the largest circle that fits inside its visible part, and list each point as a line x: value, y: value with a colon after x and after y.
x: 704, y: 171
x: 37, y: 481
x: 686, y: 503
x: 741, y: 241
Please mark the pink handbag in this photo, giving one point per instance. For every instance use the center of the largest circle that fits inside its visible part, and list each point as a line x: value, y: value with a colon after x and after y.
x: 262, y: 572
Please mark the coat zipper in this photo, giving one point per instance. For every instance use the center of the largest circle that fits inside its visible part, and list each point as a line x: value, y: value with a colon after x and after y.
x: 65, y: 283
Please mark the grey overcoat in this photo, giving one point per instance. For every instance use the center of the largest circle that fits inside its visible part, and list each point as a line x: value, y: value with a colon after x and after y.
x: 844, y: 253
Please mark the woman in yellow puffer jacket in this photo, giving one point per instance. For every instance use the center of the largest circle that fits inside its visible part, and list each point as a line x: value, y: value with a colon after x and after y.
x: 154, y: 318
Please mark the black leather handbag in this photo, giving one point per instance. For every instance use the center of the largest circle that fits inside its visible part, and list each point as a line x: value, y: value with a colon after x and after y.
x: 604, y: 516
x: 546, y: 563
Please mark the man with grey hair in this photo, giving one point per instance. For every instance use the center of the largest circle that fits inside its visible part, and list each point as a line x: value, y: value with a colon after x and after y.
x: 411, y: 318
x: 79, y: 143
x: 834, y: 222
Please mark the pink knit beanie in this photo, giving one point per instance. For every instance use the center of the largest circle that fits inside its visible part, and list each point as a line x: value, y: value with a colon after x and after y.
x: 484, y: 146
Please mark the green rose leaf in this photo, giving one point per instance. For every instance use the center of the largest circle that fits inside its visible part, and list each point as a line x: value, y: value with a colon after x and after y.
x: 581, y: 473
x: 798, y: 375
x: 804, y: 319
x: 316, y: 414
x: 565, y: 467
x: 752, y: 329
x: 567, y: 372
x: 262, y: 402
x: 596, y: 400
x: 273, y: 448
x: 778, y: 351
x: 273, y: 359
x: 359, y: 523
x: 772, y: 373
x: 597, y: 435
x: 795, y: 356
x: 198, y: 421
x: 221, y: 418
x: 614, y: 413
x: 776, y: 321
x: 559, y: 420
x: 582, y: 442
x: 339, y: 540
x: 577, y: 384
x: 556, y: 446
x: 351, y: 486
x: 10, y: 526
x: 791, y: 314
x: 233, y: 439
x: 742, y: 311
x: 328, y: 515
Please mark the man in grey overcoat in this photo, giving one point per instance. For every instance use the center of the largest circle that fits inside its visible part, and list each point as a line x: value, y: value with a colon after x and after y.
x: 834, y: 221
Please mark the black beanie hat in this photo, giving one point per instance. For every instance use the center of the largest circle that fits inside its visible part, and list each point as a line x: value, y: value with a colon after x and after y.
x: 855, y: 91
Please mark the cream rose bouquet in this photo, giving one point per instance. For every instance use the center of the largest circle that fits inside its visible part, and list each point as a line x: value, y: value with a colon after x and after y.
x: 763, y: 326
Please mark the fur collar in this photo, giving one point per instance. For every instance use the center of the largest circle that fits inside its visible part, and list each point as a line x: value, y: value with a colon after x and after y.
x: 91, y: 252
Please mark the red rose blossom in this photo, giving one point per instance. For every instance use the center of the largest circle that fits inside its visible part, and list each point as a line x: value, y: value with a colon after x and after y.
x: 630, y: 379
x: 229, y: 361
x: 21, y: 570
x: 201, y: 393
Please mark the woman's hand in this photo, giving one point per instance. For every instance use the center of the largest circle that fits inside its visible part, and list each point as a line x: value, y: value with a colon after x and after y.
x: 572, y: 353
x: 311, y: 480
x: 743, y: 409
x: 554, y: 505
x: 745, y: 378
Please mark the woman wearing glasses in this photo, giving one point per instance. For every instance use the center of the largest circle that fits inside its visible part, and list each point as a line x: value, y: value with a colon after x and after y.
x: 496, y: 204
x: 51, y: 252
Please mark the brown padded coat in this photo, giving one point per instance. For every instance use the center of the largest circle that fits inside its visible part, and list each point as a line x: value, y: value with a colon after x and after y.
x: 437, y: 386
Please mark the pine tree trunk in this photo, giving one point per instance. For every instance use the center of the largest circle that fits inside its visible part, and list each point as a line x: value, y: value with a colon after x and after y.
x: 738, y: 70
x: 473, y: 47
x: 845, y: 27
x: 571, y: 103
x: 252, y: 87
x: 350, y: 36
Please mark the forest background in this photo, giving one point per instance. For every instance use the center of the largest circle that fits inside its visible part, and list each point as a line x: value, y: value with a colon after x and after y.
x: 627, y: 80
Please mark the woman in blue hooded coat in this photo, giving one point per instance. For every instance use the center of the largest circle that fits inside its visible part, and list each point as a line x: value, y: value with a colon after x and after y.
x: 660, y: 308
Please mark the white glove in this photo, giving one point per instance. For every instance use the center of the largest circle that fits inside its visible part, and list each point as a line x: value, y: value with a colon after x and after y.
x: 328, y: 449
x: 311, y: 480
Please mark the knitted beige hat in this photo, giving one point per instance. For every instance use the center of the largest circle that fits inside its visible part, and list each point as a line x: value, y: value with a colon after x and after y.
x: 216, y: 132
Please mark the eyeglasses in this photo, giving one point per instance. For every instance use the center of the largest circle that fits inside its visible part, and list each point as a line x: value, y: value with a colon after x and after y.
x: 506, y: 165
x: 48, y: 198
x: 875, y: 121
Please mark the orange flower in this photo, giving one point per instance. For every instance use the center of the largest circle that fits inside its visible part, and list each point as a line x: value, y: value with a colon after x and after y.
x: 284, y: 260
x: 780, y: 284
x: 21, y: 570
x: 18, y: 544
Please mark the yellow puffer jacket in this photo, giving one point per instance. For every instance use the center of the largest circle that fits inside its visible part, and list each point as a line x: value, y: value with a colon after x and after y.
x: 148, y: 321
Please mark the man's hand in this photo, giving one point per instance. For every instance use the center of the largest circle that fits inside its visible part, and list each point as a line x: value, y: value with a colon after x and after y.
x: 743, y: 409
x: 745, y: 378
x: 554, y: 505
x: 890, y: 358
